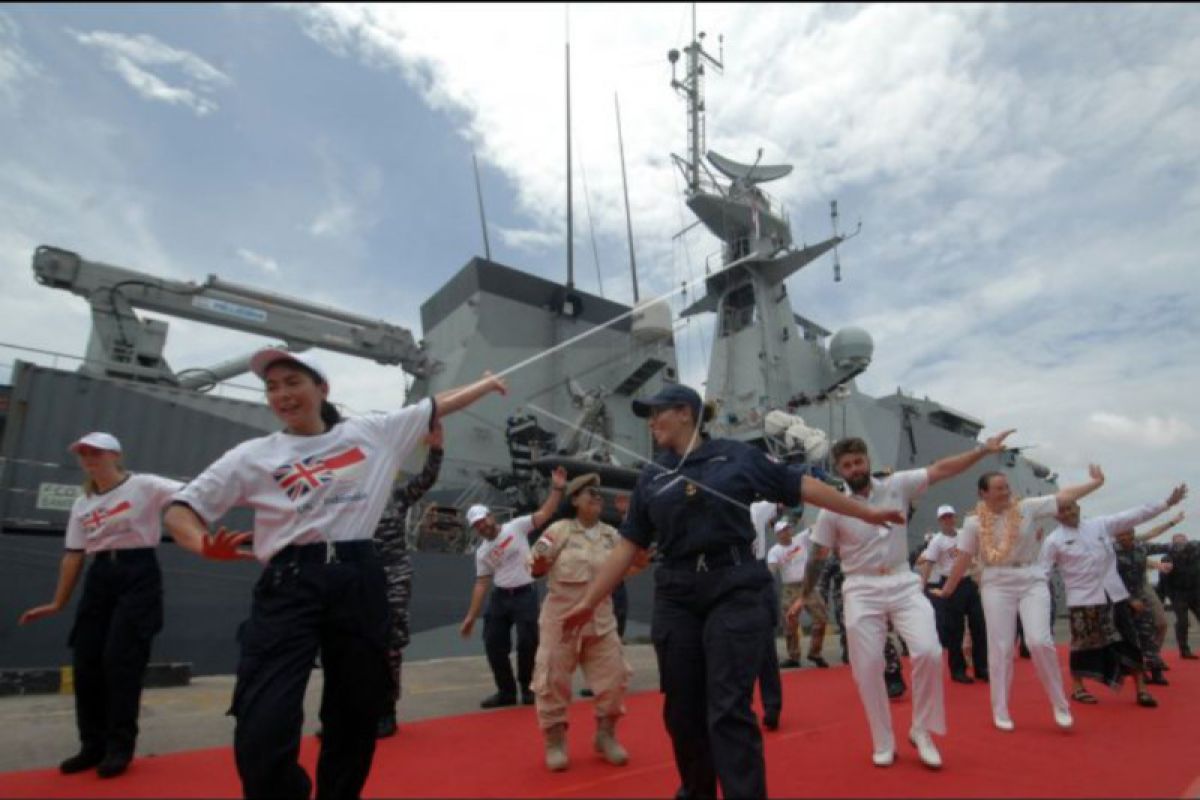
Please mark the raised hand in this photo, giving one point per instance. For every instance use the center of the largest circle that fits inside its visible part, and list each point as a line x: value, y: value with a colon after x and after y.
x: 1177, y: 496
x: 995, y: 444
x: 558, y: 478
x: 225, y: 545
x: 1095, y: 473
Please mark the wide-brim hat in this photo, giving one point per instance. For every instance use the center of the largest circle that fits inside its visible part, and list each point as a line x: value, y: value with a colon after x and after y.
x: 580, y: 482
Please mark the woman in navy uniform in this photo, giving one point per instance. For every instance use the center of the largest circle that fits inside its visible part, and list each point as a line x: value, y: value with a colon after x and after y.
x: 710, y: 616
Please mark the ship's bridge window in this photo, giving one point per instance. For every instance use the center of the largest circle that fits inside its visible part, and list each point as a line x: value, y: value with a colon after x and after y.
x: 739, y: 310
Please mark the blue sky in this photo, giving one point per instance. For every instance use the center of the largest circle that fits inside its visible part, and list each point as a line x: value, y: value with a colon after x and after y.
x: 1027, y: 178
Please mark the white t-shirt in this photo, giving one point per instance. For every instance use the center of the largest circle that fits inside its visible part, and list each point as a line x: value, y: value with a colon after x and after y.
x: 128, y: 515
x: 506, y: 558
x: 311, y: 489
x: 868, y: 548
x: 1035, y: 513
x: 762, y: 514
x: 1086, y: 559
x: 791, y: 560
x: 941, y: 551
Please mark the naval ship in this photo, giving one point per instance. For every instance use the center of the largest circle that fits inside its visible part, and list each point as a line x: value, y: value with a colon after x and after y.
x: 575, y: 360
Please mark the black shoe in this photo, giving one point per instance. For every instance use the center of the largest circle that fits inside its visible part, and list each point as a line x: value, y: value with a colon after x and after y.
x: 1188, y: 654
x: 983, y: 677
x: 113, y: 765
x: 586, y: 692
x: 80, y: 761
x: 498, y: 701
x: 526, y: 697
x: 789, y: 663
x: 387, y: 726
x: 1156, y: 679
x: 771, y: 721
x: 1024, y: 652
x: 896, y: 689
x: 961, y: 677
x: 1146, y: 700
x: 820, y: 662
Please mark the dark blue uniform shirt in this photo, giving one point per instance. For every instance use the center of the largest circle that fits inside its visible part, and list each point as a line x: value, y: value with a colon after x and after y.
x: 703, y: 506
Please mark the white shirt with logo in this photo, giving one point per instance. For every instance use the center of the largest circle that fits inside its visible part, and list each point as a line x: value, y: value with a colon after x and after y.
x: 311, y: 489
x: 506, y: 558
x: 1086, y: 559
x: 941, y: 552
x: 127, y: 516
x: 791, y: 560
x: 1035, y: 512
x: 866, y: 548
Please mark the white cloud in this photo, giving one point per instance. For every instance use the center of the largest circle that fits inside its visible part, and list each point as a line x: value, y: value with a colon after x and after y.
x: 1150, y: 432
x: 530, y: 240
x: 265, y: 263
x: 132, y: 56
x: 16, y: 67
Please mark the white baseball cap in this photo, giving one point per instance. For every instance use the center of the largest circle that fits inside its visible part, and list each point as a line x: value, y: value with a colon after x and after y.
x: 98, y: 440
x: 269, y: 355
x: 782, y: 525
x: 476, y: 513
x: 944, y: 510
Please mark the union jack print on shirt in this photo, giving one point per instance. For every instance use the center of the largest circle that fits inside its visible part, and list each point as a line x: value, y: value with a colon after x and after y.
x: 95, y: 519
x: 301, y: 477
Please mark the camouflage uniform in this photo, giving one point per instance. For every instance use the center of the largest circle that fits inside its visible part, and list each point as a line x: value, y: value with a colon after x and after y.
x: 391, y: 541
x: 830, y: 588
x: 1131, y: 565
x: 1184, y: 588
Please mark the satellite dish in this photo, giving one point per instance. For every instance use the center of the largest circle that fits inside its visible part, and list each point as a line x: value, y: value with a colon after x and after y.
x: 753, y: 173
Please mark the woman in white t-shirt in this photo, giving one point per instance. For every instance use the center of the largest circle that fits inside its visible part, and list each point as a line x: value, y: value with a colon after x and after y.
x: 117, y: 522
x: 318, y: 489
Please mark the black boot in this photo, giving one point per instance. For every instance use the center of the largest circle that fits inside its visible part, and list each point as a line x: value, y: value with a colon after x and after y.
x: 83, y: 760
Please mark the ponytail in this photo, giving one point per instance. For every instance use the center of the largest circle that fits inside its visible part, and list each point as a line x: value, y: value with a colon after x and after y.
x: 329, y: 414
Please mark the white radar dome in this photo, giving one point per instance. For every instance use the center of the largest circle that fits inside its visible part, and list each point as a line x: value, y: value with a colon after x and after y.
x: 851, y: 348
x: 652, y: 321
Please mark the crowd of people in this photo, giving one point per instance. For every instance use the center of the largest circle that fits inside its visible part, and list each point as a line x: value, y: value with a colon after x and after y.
x: 337, y: 579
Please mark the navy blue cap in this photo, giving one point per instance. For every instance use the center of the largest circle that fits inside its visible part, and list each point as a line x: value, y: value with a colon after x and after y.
x: 675, y: 394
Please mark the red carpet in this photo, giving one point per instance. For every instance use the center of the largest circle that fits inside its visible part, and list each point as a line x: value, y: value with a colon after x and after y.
x: 822, y: 749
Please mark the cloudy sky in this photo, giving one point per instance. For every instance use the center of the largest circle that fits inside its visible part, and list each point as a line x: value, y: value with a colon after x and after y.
x: 1026, y: 176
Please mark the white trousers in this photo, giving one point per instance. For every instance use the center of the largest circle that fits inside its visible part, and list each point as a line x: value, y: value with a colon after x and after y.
x: 869, y: 602
x: 1006, y: 592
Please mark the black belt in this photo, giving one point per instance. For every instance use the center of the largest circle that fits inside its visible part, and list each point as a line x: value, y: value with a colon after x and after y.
x: 326, y: 552
x: 514, y: 590
x: 707, y: 560
x: 127, y: 555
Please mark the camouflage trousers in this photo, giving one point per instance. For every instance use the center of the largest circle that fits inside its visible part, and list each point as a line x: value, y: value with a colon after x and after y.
x: 1147, y: 632
x: 399, y: 572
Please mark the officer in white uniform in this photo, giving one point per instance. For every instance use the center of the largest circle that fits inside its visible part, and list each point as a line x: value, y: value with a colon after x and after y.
x: 1003, y: 535
x: 318, y: 489
x: 880, y: 586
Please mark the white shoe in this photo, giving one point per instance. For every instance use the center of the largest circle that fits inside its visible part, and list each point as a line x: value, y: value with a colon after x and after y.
x: 929, y: 754
x: 1003, y: 723
x: 884, y: 759
x: 1062, y: 717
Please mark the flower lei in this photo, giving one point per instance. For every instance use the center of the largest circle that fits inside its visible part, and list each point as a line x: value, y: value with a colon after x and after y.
x: 993, y: 552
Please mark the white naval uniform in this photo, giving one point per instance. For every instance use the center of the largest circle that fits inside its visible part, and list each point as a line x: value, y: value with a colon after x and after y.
x: 1017, y: 584
x: 879, y: 585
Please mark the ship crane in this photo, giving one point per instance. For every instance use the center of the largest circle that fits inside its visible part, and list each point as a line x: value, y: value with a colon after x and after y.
x: 122, y: 345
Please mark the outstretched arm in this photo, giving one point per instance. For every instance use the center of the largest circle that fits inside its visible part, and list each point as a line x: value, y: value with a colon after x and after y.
x: 1073, y: 494
x: 558, y: 482
x: 459, y: 398
x: 68, y: 576
x: 822, y: 495
x: 1159, y: 530
x: 950, y: 466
